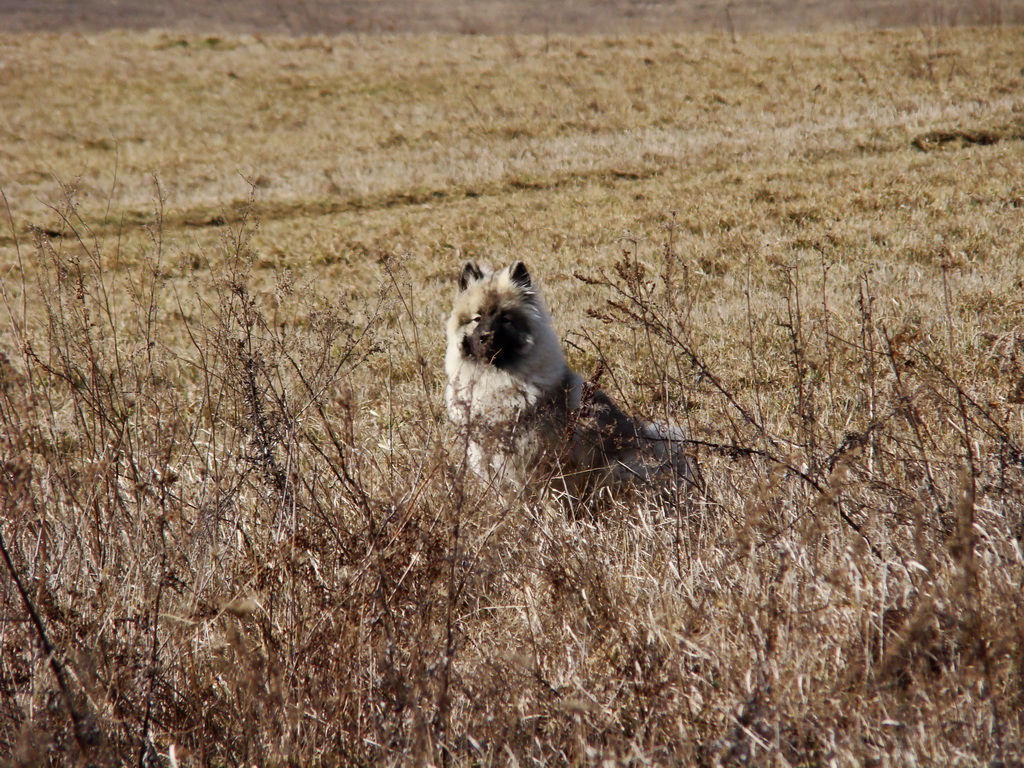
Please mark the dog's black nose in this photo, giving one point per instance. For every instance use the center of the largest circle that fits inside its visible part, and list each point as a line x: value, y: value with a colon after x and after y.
x: 483, y: 342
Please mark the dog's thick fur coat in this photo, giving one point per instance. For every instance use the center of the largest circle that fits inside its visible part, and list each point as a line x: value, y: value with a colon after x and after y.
x: 530, y: 421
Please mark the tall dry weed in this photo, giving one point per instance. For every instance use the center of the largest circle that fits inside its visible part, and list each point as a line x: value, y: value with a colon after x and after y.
x: 238, y: 531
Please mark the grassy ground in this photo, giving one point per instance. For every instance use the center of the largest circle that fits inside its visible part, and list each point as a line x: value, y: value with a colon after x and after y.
x: 500, y: 17
x: 240, y: 530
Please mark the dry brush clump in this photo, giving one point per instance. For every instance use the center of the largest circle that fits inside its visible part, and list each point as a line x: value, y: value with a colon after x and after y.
x: 238, y: 530
x: 867, y: 489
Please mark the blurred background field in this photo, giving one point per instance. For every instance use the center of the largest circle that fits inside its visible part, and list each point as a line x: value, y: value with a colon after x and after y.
x: 490, y: 17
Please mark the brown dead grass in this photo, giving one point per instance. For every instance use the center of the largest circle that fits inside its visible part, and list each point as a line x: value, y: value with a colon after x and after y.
x: 230, y: 495
x: 501, y: 17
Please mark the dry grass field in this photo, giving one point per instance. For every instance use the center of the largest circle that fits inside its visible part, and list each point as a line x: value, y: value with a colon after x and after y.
x: 332, y: 17
x: 238, y: 529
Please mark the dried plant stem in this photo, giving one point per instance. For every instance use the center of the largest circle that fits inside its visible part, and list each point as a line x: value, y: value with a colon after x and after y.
x: 84, y: 726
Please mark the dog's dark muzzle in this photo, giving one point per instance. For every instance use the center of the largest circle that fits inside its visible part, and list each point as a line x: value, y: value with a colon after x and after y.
x: 492, y: 342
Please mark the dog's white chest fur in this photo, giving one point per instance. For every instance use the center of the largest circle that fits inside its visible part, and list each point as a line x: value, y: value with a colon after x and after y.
x: 504, y: 419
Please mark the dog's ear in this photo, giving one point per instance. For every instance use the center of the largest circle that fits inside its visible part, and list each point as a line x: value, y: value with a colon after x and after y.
x: 517, y: 273
x: 471, y: 272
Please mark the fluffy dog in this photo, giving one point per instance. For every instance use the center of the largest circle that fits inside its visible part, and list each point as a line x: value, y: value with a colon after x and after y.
x: 531, y: 422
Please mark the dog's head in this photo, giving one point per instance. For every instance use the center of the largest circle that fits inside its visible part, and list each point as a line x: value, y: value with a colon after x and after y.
x: 496, y: 315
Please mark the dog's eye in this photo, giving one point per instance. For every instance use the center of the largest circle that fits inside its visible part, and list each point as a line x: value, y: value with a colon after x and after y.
x: 476, y: 319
